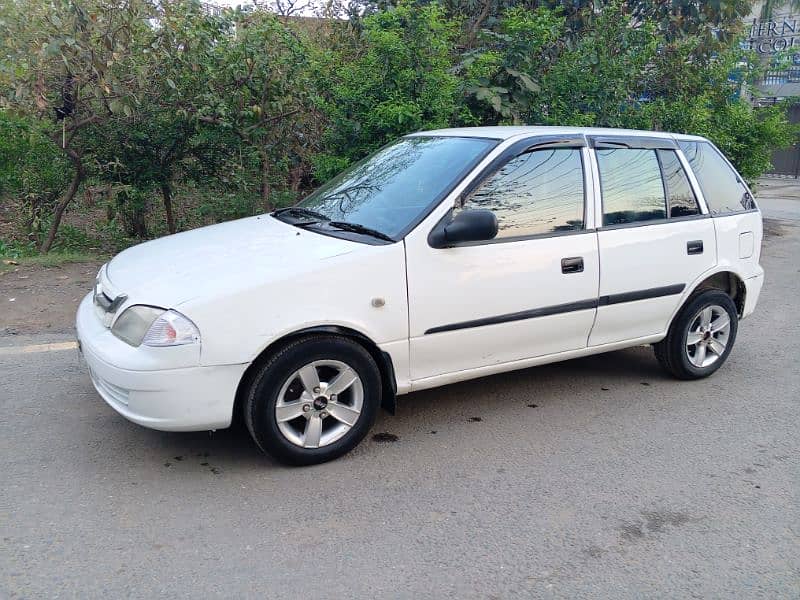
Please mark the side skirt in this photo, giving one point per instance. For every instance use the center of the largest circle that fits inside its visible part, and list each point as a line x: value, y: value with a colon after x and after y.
x: 447, y: 378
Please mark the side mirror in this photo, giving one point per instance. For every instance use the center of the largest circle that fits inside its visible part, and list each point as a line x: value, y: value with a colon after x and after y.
x: 474, y: 225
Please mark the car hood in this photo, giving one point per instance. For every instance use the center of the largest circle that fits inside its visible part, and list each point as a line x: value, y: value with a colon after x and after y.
x: 226, y: 257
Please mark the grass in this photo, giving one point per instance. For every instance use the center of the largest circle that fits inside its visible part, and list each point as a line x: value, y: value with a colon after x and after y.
x: 53, y: 259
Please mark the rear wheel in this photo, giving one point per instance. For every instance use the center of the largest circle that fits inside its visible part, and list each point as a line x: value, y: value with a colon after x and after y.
x: 701, y: 336
x: 314, y: 400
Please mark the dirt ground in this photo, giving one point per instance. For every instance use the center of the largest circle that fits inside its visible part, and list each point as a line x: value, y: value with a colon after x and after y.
x: 36, y: 299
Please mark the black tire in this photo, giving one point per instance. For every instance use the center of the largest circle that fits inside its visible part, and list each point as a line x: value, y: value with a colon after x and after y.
x: 671, y: 351
x: 261, y: 398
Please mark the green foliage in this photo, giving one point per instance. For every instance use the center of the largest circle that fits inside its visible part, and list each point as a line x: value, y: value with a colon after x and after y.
x: 14, y: 249
x: 600, y: 81
x: 33, y: 172
x: 185, y: 117
x: 502, y: 76
x: 748, y: 136
x: 71, y: 65
x: 391, y: 78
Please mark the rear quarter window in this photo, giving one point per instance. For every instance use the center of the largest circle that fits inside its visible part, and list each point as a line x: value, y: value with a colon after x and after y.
x: 722, y: 187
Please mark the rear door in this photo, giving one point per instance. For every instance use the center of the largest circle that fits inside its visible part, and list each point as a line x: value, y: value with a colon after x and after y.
x: 654, y: 238
x: 737, y: 220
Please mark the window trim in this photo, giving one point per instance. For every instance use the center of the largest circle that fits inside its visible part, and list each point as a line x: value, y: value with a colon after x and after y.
x: 518, y: 148
x: 653, y: 222
x: 632, y: 142
x: 698, y: 191
x: 602, y: 226
x: 666, y: 184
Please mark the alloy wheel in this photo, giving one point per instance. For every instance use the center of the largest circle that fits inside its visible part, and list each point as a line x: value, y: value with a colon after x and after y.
x: 708, y: 336
x: 319, y: 403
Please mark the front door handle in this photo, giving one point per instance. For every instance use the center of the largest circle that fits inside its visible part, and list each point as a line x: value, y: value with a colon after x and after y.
x: 694, y: 247
x: 572, y: 265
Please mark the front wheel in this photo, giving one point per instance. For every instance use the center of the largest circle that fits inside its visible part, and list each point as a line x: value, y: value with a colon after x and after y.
x: 701, y: 336
x: 314, y: 400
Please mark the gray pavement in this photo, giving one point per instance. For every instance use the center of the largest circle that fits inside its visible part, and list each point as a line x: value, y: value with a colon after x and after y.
x: 595, y: 478
x: 779, y: 198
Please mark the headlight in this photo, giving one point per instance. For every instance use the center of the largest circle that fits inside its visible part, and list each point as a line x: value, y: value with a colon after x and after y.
x: 153, y: 326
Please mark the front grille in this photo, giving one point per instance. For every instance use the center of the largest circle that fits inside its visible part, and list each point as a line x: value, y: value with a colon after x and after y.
x: 106, y: 305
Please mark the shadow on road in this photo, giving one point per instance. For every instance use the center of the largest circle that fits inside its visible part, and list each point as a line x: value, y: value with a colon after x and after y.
x: 497, y: 398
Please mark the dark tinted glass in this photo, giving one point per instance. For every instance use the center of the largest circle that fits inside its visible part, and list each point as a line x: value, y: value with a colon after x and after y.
x: 680, y: 196
x: 722, y: 188
x: 391, y: 189
x: 630, y: 180
x: 534, y: 193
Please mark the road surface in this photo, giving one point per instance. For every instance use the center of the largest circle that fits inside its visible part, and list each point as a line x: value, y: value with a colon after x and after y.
x: 596, y: 478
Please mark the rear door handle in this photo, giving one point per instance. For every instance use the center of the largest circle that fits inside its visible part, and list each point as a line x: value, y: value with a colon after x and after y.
x: 572, y: 265
x: 694, y: 247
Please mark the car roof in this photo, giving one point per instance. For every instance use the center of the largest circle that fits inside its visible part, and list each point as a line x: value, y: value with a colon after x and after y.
x: 504, y: 132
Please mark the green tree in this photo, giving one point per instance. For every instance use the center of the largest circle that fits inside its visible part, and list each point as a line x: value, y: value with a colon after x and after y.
x: 599, y: 80
x: 249, y: 75
x: 388, y: 78
x: 69, y: 66
x: 501, y: 75
x: 32, y: 169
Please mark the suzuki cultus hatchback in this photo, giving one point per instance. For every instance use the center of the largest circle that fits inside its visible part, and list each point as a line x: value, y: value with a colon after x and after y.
x: 445, y: 256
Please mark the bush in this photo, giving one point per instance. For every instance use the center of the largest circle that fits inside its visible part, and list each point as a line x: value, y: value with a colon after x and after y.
x: 209, y: 117
x: 392, y: 77
x: 33, y: 173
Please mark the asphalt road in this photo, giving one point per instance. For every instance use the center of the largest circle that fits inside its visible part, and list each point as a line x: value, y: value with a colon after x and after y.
x: 595, y: 478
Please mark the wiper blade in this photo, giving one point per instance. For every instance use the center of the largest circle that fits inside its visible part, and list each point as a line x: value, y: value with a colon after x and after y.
x: 300, y: 212
x: 357, y: 228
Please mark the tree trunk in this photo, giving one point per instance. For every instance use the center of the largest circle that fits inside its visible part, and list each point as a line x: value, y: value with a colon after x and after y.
x: 77, y: 178
x: 476, y: 27
x: 166, y: 192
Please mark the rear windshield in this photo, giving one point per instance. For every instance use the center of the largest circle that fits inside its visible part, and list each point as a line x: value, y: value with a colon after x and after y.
x: 722, y: 187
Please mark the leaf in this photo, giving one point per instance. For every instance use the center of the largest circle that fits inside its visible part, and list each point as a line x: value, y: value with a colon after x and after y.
x: 497, y: 103
x: 529, y: 83
x: 171, y: 84
x: 483, y: 93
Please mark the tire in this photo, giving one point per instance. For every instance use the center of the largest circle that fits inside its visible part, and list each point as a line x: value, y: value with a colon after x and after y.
x: 320, y: 419
x: 686, y: 360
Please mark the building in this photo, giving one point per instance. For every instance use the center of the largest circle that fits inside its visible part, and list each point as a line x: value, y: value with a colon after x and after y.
x: 773, y: 32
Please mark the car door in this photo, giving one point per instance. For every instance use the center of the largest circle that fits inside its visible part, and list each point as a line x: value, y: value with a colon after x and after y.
x: 532, y: 290
x: 654, y: 237
x: 736, y: 218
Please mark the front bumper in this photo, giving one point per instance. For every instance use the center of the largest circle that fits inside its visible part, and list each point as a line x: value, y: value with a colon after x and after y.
x: 189, y: 398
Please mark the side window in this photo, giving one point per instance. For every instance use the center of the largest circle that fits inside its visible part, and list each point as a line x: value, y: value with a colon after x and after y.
x: 537, y: 192
x: 631, y: 185
x: 680, y: 197
x: 722, y: 187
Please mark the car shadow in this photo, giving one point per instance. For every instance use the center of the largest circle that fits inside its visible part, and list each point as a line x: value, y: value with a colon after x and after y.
x: 420, y: 413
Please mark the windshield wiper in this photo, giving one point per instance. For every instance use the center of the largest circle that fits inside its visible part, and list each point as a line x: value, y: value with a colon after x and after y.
x: 357, y: 228
x: 299, y: 211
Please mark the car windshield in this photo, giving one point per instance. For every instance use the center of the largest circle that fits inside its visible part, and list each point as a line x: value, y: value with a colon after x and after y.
x: 388, y: 191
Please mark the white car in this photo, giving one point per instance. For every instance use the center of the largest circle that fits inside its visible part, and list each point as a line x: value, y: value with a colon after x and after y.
x: 445, y: 256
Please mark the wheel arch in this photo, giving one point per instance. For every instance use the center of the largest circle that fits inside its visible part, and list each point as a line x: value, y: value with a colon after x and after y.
x: 381, y: 358
x: 724, y: 280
